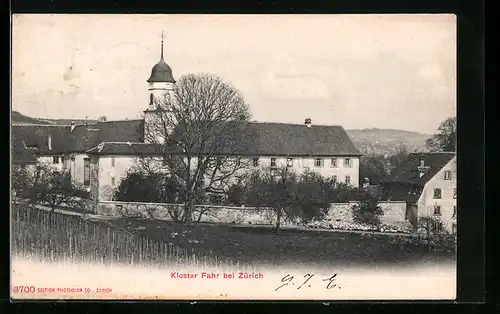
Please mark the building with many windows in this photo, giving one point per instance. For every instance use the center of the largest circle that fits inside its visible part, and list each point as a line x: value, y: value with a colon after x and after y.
x: 99, y: 155
x: 427, y: 182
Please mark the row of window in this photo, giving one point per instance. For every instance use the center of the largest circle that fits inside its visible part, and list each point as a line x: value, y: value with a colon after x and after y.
x: 437, y: 211
x: 438, y: 226
x: 438, y: 194
x: 318, y: 162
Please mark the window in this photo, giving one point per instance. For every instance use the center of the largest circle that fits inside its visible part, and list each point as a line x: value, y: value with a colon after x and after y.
x: 454, y: 211
x: 437, y: 193
x: 113, y: 181
x: 447, y: 175
x: 333, y: 163
x: 113, y: 161
x: 455, y: 193
x: 304, y: 162
x: 334, y: 178
x: 347, y: 179
x: 86, y: 171
x: 237, y: 162
x: 255, y: 162
x: 55, y: 159
x: 437, y: 210
x: 454, y: 228
x: 289, y: 162
x: 318, y: 162
x: 437, y: 226
x: 273, y: 162
x: 62, y: 159
x: 347, y: 162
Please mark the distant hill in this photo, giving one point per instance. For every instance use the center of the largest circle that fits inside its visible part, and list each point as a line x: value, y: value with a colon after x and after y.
x: 379, y: 141
x: 383, y: 141
x: 19, y: 119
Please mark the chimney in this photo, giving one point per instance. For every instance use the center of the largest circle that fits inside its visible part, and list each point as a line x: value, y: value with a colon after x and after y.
x: 49, y: 142
x: 422, y: 168
x: 308, y: 122
x: 72, y: 126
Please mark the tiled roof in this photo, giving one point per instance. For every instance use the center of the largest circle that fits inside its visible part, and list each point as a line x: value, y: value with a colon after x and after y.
x: 408, y: 172
x: 36, y: 137
x: 134, y: 149
x: 405, y: 183
x: 298, y: 139
x: 20, y: 154
x: 268, y: 139
x: 120, y: 131
x: 280, y: 139
x: 79, y: 139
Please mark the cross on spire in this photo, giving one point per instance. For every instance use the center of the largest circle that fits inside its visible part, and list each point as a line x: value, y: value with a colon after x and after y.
x: 162, y: 44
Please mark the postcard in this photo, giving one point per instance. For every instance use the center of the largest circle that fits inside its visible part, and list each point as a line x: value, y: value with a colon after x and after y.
x: 233, y: 157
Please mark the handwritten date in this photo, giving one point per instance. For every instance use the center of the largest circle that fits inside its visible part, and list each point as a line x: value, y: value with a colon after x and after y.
x: 301, y: 282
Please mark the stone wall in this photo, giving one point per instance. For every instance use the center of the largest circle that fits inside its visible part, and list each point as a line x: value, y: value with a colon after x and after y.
x: 339, y: 215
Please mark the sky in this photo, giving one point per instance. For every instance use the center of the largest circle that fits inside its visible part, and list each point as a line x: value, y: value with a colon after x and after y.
x: 358, y: 71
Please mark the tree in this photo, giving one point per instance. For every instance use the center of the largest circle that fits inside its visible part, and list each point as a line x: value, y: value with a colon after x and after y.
x: 431, y: 229
x: 288, y: 196
x: 274, y: 190
x: 312, y: 197
x: 367, y: 211
x: 202, y: 127
x: 141, y: 187
x: 445, y: 138
x: 373, y: 167
x: 397, y: 158
x: 50, y: 187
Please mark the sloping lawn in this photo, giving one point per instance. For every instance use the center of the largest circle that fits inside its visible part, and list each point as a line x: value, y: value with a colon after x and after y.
x: 250, y: 245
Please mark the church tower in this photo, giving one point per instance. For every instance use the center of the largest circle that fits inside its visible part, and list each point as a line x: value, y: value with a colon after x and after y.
x: 160, y: 84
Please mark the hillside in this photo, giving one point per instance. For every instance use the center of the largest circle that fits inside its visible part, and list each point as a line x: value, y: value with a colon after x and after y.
x: 373, y: 140
x: 18, y: 118
x: 387, y: 140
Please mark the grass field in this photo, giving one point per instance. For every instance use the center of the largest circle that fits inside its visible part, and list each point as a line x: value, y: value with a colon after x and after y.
x: 250, y: 245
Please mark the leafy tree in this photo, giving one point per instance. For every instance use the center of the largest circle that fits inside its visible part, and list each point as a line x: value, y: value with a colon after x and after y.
x: 50, y: 187
x: 236, y: 194
x: 445, y: 138
x: 289, y: 196
x: 203, y: 118
x: 373, y: 167
x: 274, y: 191
x: 367, y: 211
x: 312, y: 197
x: 431, y: 229
x: 397, y: 158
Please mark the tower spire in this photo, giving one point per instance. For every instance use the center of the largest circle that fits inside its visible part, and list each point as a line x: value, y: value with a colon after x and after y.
x: 161, y: 44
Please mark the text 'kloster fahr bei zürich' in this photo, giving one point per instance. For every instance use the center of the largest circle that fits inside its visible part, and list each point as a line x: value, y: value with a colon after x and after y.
x: 209, y: 275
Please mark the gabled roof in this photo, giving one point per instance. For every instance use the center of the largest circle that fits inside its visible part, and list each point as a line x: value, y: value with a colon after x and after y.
x: 408, y: 170
x: 280, y: 139
x: 79, y: 138
x: 20, y: 154
x: 130, y: 149
x: 267, y: 139
x: 405, y: 183
x: 299, y: 139
x: 36, y: 137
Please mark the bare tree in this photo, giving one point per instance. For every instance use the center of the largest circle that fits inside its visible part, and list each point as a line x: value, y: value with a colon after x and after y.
x: 202, y: 127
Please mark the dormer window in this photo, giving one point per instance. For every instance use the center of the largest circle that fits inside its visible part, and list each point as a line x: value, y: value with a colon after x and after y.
x: 422, y: 162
